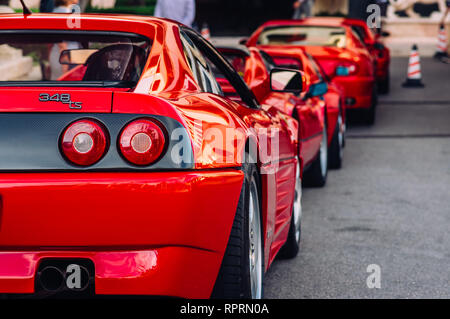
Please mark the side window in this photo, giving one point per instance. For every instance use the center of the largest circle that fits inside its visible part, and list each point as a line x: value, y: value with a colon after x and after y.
x: 358, y: 38
x: 237, y: 61
x: 359, y: 32
x: 200, y: 67
x: 316, y: 67
x: 219, y: 68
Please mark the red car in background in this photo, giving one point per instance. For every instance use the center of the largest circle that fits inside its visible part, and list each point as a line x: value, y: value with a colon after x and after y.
x: 378, y: 50
x: 319, y: 132
x: 338, y: 50
x: 114, y: 171
x: 293, y: 58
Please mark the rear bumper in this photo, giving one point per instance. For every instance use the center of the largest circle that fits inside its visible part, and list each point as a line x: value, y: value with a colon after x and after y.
x: 146, y: 233
x: 357, y: 89
x: 167, y: 271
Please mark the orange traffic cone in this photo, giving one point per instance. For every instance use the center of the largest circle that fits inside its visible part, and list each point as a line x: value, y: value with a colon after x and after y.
x: 441, y: 50
x: 205, y: 32
x: 414, y: 78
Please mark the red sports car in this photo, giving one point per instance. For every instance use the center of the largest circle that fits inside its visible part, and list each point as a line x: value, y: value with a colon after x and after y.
x: 378, y: 50
x: 317, y: 123
x: 335, y: 118
x: 125, y: 169
x: 339, y: 51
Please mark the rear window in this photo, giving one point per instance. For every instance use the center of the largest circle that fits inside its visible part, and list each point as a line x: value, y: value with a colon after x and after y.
x: 71, y: 58
x: 304, y: 35
x: 237, y: 61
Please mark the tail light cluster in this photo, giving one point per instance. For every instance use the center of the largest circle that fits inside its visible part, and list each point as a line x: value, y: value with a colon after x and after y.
x: 347, y: 69
x: 142, y: 142
x: 86, y: 141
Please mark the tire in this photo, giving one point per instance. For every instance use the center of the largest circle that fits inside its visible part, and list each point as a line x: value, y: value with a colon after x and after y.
x: 291, y: 247
x: 370, y: 114
x: 241, y: 273
x: 316, y: 175
x: 336, y: 152
x: 385, y: 85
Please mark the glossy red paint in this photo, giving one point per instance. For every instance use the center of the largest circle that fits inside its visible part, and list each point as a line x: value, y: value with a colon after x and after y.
x: 132, y: 219
x: 162, y: 271
x: 309, y: 111
x: 378, y: 50
x: 312, y: 112
x: 358, y: 88
x: 158, y: 233
x: 20, y: 100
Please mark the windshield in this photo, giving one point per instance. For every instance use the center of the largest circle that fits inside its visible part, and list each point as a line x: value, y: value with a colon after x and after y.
x: 304, y: 35
x: 65, y: 58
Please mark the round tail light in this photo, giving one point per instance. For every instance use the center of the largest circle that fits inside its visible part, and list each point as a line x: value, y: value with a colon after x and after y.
x: 84, y: 142
x: 142, y: 142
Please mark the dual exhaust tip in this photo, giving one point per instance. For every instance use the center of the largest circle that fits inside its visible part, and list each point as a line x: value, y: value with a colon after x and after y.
x: 74, y: 278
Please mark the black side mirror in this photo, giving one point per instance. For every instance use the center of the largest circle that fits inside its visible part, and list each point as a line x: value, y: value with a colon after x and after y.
x: 286, y: 80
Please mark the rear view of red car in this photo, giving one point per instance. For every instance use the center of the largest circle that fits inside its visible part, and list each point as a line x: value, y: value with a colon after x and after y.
x: 318, y: 109
x: 126, y: 170
x: 335, y: 119
x: 379, y: 51
x: 339, y: 51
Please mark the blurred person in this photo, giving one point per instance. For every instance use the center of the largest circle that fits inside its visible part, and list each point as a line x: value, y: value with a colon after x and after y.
x: 4, y: 7
x: 58, y: 69
x: 47, y: 6
x: 64, y: 6
x: 447, y: 2
x: 445, y: 59
x: 383, y: 4
x: 179, y: 10
x: 303, y: 8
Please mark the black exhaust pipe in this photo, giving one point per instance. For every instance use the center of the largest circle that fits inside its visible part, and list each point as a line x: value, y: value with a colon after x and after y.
x: 51, y: 279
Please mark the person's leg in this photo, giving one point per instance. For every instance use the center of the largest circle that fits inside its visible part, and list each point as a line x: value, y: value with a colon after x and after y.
x: 304, y: 9
x: 47, y: 6
x: 297, y: 10
x: 308, y: 8
x: 383, y: 7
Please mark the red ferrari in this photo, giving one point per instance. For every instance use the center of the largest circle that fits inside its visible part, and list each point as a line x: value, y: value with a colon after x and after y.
x: 339, y: 51
x: 321, y: 127
x: 126, y: 170
x: 378, y: 50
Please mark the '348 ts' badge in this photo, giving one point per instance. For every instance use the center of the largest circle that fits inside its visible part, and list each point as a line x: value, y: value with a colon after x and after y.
x: 62, y: 98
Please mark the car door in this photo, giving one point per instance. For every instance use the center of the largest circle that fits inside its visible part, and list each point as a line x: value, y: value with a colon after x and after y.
x: 311, y: 112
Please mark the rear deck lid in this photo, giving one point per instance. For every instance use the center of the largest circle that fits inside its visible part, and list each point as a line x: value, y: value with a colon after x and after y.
x: 55, y: 100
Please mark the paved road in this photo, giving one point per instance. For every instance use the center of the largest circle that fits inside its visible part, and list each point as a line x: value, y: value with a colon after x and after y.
x: 389, y: 205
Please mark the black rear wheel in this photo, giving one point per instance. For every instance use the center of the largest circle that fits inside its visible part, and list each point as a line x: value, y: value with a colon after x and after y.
x: 370, y: 114
x: 384, y: 86
x: 316, y: 175
x: 242, y: 271
x: 336, y: 152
